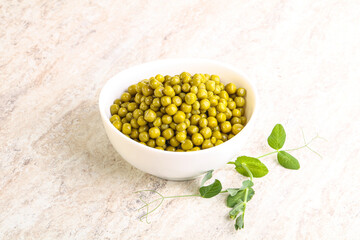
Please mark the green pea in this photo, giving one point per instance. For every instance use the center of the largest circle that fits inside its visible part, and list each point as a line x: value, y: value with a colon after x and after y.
x: 132, y: 106
x: 202, y: 94
x: 160, y: 141
x: 186, y: 87
x: 160, y: 78
x: 231, y: 105
x: 169, y: 91
x: 236, y: 113
x: 225, y: 127
x: 157, y: 122
x: 165, y: 101
x: 176, y: 100
x: 235, y: 120
x: 134, y: 123
x: 197, y: 139
x: 212, y: 122
x: 132, y: 90
x: 243, y: 120
x: 190, y: 98
x: 154, y: 83
x: 206, y: 132
x: 166, y: 119
x: 186, y: 108
x: 192, y: 129
x: 173, y: 142
x: 151, y: 143
x: 194, y: 89
x: 147, y: 90
x: 181, y: 126
x: 154, y: 132
x: 204, y: 104
x: 171, y: 109
x: 126, y: 128
x: 141, y: 121
x: 114, y: 109
x: 221, y: 107
x: 207, y: 144
x: 241, y: 92
x: 210, y: 85
x: 143, y: 128
x: 230, y: 88
x: 144, y: 136
x: 218, y: 142
x: 117, y: 124
x: 179, y: 117
x: 125, y: 97
x: 187, y: 144
x: 180, y: 136
x: 240, y: 101
x: 149, y: 115
x: 203, y: 122
x: 114, y: 118
x: 143, y: 106
x: 159, y: 92
x: 194, y: 119
x: 168, y: 133
x: 177, y: 89
x: 236, y: 128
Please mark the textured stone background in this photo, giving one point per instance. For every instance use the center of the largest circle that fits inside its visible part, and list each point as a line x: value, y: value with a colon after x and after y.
x: 61, y: 179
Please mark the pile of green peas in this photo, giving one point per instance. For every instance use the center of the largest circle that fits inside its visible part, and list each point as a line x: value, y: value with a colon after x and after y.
x: 180, y: 113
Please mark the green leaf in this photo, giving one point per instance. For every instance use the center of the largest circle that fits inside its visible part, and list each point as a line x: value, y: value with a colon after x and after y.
x: 246, y: 184
x: 211, y: 190
x: 277, y: 137
x: 239, y: 224
x: 288, y: 161
x: 207, y: 176
x: 238, y: 208
x: 256, y: 167
x: 233, y: 191
x: 231, y: 201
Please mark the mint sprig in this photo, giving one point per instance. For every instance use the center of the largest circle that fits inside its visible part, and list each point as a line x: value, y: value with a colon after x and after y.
x: 251, y: 167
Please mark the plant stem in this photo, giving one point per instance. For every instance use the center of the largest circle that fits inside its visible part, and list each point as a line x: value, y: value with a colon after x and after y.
x: 192, y: 195
x: 267, y: 154
x: 248, y: 171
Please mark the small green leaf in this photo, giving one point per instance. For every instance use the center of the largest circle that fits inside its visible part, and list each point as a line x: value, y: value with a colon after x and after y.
x: 277, y: 137
x: 231, y: 201
x: 238, y: 208
x: 246, y: 184
x: 211, y: 190
x: 233, y: 191
x: 256, y: 167
x: 239, y: 224
x: 207, y: 176
x: 288, y: 161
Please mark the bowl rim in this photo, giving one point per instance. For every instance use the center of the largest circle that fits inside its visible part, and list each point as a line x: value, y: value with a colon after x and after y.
x: 202, y: 60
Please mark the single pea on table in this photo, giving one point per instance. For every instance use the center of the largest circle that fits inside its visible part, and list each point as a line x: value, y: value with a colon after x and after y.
x: 180, y: 113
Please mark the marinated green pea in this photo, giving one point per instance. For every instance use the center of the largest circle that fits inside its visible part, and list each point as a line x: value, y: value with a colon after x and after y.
x: 241, y: 92
x: 195, y: 112
x: 132, y: 90
x: 157, y: 122
x: 143, y: 136
x: 129, y: 116
x: 143, y: 128
x: 223, y: 101
x: 141, y: 121
x: 210, y: 85
x: 160, y: 148
x: 126, y: 128
x: 221, y: 107
x: 204, y: 104
x: 230, y: 88
x: 160, y: 78
x: 114, y: 118
x: 190, y: 98
x: 159, y: 92
x: 196, y: 105
x: 185, y: 74
x: 114, y: 109
x: 194, y: 119
x: 173, y: 142
x: 187, y: 144
x: 187, y: 121
x: 176, y: 100
x: 170, y: 149
x: 206, y: 132
x: 134, y: 123
x: 156, y: 102
x: 195, y: 149
x: 225, y: 127
x: 171, y: 109
x: 166, y: 119
x: 165, y: 101
x: 180, y: 136
x: 236, y: 113
x: 240, y: 101
x: 231, y: 105
x: 186, y: 108
x: 122, y: 112
x: 236, y: 128
x: 177, y: 89
x: 134, y: 133
x: 172, y: 125
x: 243, y: 120
x: 217, y: 89
x: 212, y: 112
x: 149, y: 115
x: 188, y: 115
x: 151, y: 143
x: 203, y: 122
x: 138, y: 97
x: 125, y: 97
x: 228, y: 114
x: 117, y: 101
x: 216, y: 128
x: 186, y: 87
x: 117, y: 124
x: 181, y: 127
x: 195, y: 82
x: 230, y: 136
x: 202, y: 94
x: 192, y: 129
x: 154, y: 84
x: 179, y: 117
x: 213, y: 101
x: 197, y: 139
x: 154, y: 132
x: 218, y: 142
x: 179, y: 150
x: 221, y: 117
x: 224, y: 137
x: 194, y: 89
x: 148, y: 100
x: 207, y: 144
x: 169, y: 91
x: 164, y: 127
x: 137, y: 113
x: 182, y: 96
x: 215, y: 78
x: 224, y: 95
x: 235, y: 120
x: 132, y: 106
x: 168, y: 133
x: 143, y: 106
x: 217, y: 134
x: 213, y: 140
x: 212, y: 122
x: 160, y: 141
x: 147, y: 90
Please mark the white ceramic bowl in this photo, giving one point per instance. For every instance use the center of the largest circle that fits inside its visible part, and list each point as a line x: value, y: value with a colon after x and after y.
x: 176, y: 165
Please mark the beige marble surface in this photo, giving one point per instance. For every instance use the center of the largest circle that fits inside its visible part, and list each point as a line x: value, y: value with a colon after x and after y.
x: 61, y: 179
